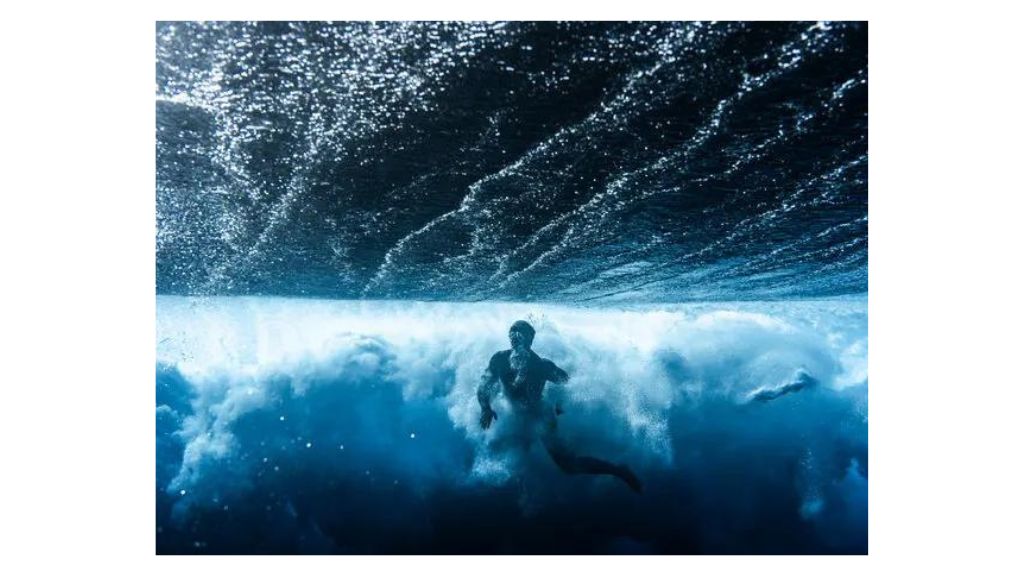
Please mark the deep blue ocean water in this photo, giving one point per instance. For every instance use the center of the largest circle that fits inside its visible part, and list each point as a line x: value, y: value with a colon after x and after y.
x: 350, y: 215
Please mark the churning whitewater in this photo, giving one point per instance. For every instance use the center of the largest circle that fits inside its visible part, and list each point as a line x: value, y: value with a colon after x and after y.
x: 330, y: 426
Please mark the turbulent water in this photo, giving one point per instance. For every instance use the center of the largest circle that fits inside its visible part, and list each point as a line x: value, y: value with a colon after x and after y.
x: 523, y: 161
x: 290, y: 425
x: 351, y: 215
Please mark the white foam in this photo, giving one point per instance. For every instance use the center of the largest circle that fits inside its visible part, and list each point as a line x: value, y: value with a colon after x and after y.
x: 631, y: 366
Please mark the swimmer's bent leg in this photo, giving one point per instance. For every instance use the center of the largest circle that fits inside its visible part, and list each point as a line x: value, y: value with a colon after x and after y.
x: 573, y: 464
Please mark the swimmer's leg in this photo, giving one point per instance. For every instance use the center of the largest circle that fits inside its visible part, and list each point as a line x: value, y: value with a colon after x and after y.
x: 570, y: 463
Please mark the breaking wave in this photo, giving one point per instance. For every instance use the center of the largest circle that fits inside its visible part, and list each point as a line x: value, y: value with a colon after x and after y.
x: 290, y: 425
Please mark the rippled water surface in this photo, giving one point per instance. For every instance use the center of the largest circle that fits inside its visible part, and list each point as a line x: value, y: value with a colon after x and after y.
x: 637, y: 162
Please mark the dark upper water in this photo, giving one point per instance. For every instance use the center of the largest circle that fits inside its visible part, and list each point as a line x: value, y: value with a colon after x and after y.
x: 576, y: 162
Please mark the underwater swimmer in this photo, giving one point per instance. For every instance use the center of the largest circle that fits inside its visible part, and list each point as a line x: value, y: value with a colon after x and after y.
x: 522, y: 374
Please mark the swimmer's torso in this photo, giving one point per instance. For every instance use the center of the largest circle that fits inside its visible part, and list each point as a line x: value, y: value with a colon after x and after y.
x: 523, y: 376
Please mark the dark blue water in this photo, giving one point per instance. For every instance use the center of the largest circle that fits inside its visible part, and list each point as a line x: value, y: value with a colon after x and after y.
x: 350, y: 215
x: 526, y: 161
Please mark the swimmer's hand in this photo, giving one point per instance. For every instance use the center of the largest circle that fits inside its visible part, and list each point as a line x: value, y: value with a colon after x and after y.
x: 486, y: 417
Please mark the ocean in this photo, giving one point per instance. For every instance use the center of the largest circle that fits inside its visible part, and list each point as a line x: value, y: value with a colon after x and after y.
x: 350, y: 215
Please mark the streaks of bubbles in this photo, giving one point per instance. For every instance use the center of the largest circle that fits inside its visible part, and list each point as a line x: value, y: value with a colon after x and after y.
x: 467, y: 161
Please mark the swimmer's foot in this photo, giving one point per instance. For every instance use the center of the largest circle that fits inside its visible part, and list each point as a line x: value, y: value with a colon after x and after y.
x: 631, y: 479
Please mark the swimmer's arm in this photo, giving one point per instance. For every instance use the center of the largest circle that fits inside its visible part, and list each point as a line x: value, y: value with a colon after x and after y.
x: 484, y: 393
x: 557, y: 393
x: 487, y: 389
x: 556, y: 374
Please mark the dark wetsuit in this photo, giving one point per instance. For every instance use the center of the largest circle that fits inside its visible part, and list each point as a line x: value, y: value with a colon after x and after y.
x: 525, y: 392
x: 526, y: 395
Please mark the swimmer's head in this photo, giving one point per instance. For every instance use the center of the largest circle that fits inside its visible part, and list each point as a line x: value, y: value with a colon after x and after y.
x: 521, y: 334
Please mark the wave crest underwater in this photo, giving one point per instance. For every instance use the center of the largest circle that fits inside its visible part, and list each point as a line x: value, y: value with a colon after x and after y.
x: 289, y: 425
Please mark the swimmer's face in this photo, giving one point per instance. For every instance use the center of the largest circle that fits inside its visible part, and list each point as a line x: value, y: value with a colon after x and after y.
x: 517, y: 339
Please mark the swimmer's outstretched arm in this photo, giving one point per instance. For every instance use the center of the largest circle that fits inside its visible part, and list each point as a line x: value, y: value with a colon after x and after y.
x: 557, y: 376
x: 484, y: 394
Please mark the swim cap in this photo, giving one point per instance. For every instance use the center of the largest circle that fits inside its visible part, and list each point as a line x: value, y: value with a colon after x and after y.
x: 524, y: 327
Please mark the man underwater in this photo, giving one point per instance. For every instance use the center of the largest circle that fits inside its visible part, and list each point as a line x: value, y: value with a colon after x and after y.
x: 522, y: 374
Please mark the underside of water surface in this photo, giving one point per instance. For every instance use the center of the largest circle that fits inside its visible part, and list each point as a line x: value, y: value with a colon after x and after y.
x: 351, y: 215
